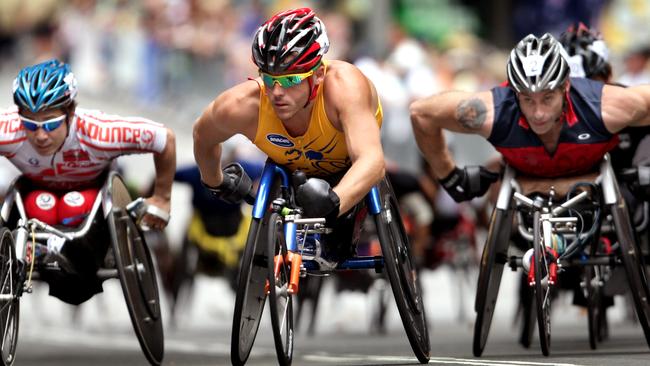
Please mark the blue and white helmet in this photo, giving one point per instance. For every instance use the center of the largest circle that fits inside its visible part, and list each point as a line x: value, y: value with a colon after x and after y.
x: 44, y: 86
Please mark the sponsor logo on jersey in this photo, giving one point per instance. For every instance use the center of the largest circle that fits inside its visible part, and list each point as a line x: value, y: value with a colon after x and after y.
x: 45, y: 201
x: 279, y: 140
x: 74, y: 199
x: 115, y: 134
x: 584, y: 136
x: 75, y: 155
x: 11, y: 126
x: 33, y: 161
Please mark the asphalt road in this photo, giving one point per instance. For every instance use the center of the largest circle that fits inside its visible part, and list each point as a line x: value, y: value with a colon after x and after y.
x: 450, y: 345
x: 100, y: 333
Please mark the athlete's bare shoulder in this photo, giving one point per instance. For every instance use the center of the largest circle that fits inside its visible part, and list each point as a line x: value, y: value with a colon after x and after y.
x: 343, y: 81
x: 237, y: 109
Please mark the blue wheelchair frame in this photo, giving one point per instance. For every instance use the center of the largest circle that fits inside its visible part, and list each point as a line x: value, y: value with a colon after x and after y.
x: 271, y: 171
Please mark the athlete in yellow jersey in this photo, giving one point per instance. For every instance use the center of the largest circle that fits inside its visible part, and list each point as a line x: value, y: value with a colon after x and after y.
x: 322, y: 117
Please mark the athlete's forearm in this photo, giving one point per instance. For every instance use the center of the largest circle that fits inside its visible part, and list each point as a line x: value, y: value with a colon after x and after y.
x: 165, y: 163
x: 207, y: 153
x: 359, y: 179
x: 431, y: 142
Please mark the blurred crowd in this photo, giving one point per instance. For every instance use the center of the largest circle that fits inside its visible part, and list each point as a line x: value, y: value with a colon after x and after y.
x: 177, y: 55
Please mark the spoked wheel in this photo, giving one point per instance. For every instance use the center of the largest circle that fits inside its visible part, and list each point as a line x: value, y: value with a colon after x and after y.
x: 632, y: 259
x: 495, y: 255
x: 528, y: 317
x: 137, y: 274
x: 542, y: 287
x: 402, y: 274
x: 593, y: 291
x: 280, y: 301
x: 9, y: 302
x: 251, y: 295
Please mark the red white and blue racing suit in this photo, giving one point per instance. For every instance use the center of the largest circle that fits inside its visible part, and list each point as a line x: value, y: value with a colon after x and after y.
x: 68, y: 181
x: 583, y: 141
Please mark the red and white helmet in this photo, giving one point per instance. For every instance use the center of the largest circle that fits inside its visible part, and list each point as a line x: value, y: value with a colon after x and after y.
x: 293, y: 40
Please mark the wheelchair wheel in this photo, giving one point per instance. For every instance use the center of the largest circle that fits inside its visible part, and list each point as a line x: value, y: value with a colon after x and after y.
x: 280, y: 302
x: 251, y: 296
x: 632, y: 258
x: 9, y: 308
x: 528, y: 316
x: 402, y: 274
x: 137, y: 274
x: 594, y: 304
x: 495, y: 255
x: 542, y: 287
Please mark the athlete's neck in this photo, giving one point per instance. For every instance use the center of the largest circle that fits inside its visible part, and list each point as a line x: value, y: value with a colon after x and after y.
x: 298, y: 124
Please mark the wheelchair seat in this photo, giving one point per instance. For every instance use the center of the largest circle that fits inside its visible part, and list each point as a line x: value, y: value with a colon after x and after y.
x: 84, y: 253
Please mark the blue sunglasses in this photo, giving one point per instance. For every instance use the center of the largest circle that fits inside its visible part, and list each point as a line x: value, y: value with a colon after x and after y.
x: 48, y: 125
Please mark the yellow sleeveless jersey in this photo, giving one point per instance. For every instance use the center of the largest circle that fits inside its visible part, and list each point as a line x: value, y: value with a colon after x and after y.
x: 321, y: 151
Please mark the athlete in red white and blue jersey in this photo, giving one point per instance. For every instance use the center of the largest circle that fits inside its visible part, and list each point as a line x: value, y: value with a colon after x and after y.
x: 544, y: 123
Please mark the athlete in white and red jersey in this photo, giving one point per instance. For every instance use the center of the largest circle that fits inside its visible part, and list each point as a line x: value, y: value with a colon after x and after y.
x: 64, y: 150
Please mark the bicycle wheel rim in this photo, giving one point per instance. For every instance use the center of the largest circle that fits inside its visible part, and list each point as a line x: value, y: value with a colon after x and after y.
x: 280, y: 302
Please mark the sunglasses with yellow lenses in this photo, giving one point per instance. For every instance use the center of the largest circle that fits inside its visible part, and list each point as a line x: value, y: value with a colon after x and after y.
x: 286, y: 81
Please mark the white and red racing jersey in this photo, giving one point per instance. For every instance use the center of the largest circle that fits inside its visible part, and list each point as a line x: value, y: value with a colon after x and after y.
x: 94, y: 140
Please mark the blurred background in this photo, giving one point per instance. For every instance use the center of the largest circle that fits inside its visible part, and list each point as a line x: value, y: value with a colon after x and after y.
x: 167, y: 59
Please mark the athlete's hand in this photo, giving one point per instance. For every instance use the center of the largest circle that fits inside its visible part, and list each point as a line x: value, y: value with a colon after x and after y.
x: 637, y: 179
x: 236, y: 185
x: 156, y: 215
x: 469, y: 182
x: 317, y: 199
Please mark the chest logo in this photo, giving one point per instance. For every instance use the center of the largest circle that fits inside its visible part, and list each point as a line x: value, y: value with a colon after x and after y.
x: 33, y: 161
x: 584, y: 136
x: 279, y: 140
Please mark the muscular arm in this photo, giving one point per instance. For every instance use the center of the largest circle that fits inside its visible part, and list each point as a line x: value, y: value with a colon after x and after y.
x: 454, y: 111
x: 230, y: 113
x: 622, y: 107
x: 352, y: 97
x: 165, y: 163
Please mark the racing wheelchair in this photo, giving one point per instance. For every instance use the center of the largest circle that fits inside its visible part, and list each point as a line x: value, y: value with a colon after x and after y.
x: 562, y: 235
x: 113, y: 224
x: 282, y: 247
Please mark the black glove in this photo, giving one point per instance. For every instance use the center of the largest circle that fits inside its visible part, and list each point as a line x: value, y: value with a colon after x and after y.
x: 317, y: 199
x: 637, y: 179
x: 469, y: 182
x: 235, y: 187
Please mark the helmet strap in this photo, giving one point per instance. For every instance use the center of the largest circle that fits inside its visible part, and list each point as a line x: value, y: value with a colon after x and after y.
x: 313, y: 91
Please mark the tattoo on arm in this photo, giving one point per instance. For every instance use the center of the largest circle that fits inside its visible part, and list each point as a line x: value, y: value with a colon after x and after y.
x: 471, y: 113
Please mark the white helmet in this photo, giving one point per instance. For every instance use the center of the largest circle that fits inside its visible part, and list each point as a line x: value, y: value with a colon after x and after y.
x: 537, y: 64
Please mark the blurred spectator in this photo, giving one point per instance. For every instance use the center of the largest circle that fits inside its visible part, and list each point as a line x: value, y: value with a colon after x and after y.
x: 636, y: 68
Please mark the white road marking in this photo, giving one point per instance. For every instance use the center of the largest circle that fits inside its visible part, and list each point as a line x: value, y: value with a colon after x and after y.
x: 433, y: 360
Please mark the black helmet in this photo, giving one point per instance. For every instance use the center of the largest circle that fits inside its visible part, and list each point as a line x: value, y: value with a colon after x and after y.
x: 588, y: 52
x: 293, y: 40
x: 537, y: 64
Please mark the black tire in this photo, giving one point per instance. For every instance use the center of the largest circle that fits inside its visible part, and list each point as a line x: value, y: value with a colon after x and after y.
x: 632, y: 258
x: 495, y: 255
x: 137, y: 274
x: 9, y: 309
x: 401, y: 273
x: 251, y: 296
x: 542, y: 292
x: 594, y: 305
x: 280, y: 302
x: 528, y: 315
